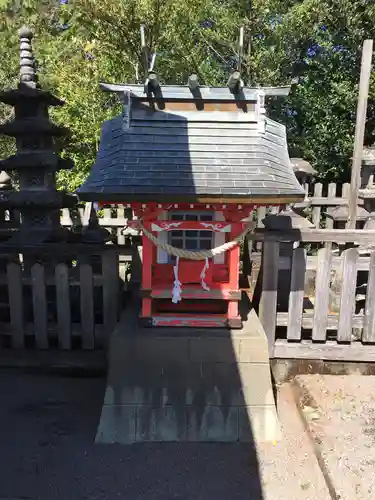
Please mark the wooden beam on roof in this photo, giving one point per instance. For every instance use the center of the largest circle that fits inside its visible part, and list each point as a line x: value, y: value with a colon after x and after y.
x: 193, y: 82
x: 183, y: 92
x: 235, y: 83
x: 153, y: 82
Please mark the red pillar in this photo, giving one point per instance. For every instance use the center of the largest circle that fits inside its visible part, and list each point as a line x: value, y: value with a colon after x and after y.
x: 233, y: 269
x: 147, y: 250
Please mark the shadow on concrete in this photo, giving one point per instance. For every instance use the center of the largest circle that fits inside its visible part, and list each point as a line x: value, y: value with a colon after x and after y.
x: 184, y: 384
x: 47, y: 451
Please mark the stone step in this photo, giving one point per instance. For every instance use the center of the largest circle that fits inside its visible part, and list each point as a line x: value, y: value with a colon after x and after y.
x: 188, y: 385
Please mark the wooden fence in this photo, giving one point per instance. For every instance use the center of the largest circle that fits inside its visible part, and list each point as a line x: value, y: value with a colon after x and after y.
x: 336, y: 322
x: 314, y: 303
x: 321, y: 200
x: 60, y: 296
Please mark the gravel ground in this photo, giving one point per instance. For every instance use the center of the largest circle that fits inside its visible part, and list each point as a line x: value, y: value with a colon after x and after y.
x: 47, y: 428
x: 340, y: 411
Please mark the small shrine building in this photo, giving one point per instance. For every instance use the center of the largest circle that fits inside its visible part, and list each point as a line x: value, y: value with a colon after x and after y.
x: 193, y: 163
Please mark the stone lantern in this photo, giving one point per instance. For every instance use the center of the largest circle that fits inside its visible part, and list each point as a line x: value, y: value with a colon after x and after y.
x: 35, y: 161
x: 286, y: 220
x: 340, y: 217
x: 304, y: 173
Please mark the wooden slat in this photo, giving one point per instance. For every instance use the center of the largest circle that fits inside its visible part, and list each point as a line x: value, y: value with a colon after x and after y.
x: 120, y: 214
x: 322, y: 294
x: 268, y: 299
x: 308, y: 320
x: 297, y: 286
x: 261, y: 213
x: 325, y: 201
x: 331, y: 194
x: 311, y: 262
x: 110, y: 290
x: 15, y: 295
x: 107, y: 212
x: 346, y: 191
x: 330, y: 351
x: 63, y: 306
x: 40, y: 310
x: 356, y: 236
x: 112, y: 221
x: 87, y: 306
x: 66, y: 220
x: 369, y: 321
x: 318, y: 189
x: 347, y: 300
x: 87, y: 214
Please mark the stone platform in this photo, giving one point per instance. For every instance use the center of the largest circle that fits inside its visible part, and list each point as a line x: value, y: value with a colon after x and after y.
x: 185, y: 384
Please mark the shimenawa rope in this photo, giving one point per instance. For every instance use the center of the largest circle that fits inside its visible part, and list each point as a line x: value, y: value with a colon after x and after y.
x: 192, y: 255
x: 196, y: 254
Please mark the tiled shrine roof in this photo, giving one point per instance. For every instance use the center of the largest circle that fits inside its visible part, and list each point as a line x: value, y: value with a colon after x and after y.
x: 189, y: 155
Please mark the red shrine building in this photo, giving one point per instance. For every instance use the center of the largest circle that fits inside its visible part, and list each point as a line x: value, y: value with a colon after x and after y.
x: 192, y: 163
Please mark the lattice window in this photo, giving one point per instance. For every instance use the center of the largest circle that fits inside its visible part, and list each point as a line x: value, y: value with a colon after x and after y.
x: 191, y: 240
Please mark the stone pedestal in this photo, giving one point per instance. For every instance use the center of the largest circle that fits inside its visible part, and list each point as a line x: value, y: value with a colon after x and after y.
x: 188, y: 385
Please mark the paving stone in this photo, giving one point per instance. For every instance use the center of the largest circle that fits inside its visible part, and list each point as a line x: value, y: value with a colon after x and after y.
x: 117, y: 425
x: 258, y: 424
x: 254, y: 350
x: 217, y: 350
x: 215, y: 424
x: 166, y: 424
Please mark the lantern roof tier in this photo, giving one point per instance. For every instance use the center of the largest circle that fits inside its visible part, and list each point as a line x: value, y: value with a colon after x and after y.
x: 32, y: 126
x: 42, y: 158
x: 37, y: 198
x: 23, y: 94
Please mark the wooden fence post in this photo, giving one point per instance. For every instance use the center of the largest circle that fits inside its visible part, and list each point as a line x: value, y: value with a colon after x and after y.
x: 319, y: 331
x: 110, y: 269
x: 347, y: 301
x: 87, y: 306
x: 316, y: 211
x: 268, y: 299
x: 364, y: 84
x: 40, y: 310
x: 63, y: 306
x: 15, y: 294
x: 369, y: 320
x: 297, y: 292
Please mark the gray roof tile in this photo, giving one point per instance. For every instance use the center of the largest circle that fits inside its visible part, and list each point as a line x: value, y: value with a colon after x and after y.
x: 186, y: 158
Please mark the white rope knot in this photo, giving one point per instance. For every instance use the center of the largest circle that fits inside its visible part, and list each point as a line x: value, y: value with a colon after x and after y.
x: 177, y: 288
x: 203, y: 275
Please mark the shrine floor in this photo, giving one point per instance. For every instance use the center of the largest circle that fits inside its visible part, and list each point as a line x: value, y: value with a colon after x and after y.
x: 47, y: 452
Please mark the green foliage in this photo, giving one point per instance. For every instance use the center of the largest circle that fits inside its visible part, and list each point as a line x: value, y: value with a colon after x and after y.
x: 79, y: 43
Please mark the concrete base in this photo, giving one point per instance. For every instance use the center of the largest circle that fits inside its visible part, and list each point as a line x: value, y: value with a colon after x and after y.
x: 208, y: 385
